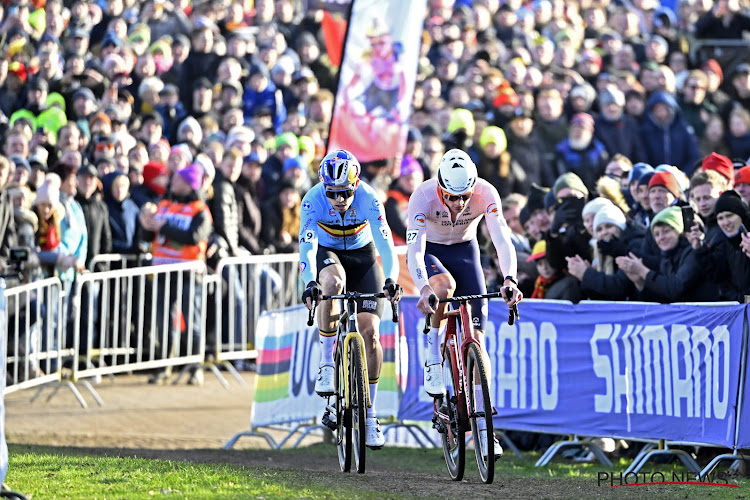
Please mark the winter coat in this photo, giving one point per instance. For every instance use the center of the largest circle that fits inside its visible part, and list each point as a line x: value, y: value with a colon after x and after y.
x: 250, y: 218
x: 673, y: 143
x: 676, y: 279
x: 739, y: 147
x: 514, y: 179
x: 726, y: 264
x: 529, y: 153
x: 7, y: 227
x: 225, y: 213
x: 196, y: 65
x: 589, y: 163
x: 271, y: 98
x: 620, y: 136
x: 123, y: 219
x: 96, y: 214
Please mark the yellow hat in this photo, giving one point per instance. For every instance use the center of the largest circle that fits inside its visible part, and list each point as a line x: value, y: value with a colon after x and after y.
x: 538, y: 252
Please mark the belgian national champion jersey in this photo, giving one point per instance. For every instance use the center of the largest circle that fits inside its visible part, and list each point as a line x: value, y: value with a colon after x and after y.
x: 362, y: 223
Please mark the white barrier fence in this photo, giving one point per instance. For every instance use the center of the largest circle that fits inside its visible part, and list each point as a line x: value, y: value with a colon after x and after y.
x: 133, y: 318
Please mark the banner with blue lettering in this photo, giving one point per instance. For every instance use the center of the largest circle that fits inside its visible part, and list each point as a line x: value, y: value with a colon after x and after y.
x: 636, y: 370
x: 743, y: 439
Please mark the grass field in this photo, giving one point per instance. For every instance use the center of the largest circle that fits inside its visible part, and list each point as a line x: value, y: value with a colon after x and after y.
x: 312, y: 472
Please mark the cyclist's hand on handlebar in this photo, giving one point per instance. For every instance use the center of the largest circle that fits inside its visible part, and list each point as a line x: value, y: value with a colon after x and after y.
x: 515, y: 295
x: 311, y: 294
x: 393, y: 290
x: 423, y: 304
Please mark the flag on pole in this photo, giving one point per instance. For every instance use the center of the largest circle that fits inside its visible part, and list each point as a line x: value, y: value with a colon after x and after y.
x: 377, y: 78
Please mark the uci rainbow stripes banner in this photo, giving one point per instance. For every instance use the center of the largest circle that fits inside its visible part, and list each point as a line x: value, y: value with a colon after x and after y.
x: 287, y: 367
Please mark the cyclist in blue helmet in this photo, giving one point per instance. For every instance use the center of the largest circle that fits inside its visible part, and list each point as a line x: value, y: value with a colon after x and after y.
x: 342, y: 225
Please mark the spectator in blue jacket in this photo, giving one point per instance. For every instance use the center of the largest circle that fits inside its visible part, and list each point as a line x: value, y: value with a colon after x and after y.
x: 581, y: 153
x: 123, y: 213
x: 261, y: 92
x: 665, y: 135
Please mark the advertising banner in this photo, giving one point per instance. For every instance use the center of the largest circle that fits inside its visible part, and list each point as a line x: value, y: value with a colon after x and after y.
x: 378, y: 74
x: 743, y: 439
x: 287, y: 367
x: 636, y: 370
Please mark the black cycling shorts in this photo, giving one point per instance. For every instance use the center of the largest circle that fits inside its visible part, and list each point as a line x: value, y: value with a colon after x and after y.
x: 363, y: 273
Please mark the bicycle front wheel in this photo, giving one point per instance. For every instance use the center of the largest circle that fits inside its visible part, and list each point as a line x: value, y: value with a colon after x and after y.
x: 477, y: 377
x: 454, y: 441
x: 359, y: 404
x: 343, y: 414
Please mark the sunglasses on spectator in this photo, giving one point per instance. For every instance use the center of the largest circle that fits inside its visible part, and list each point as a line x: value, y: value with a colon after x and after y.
x: 104, y: 145
x: 451, y: 197
x: 346, y: 193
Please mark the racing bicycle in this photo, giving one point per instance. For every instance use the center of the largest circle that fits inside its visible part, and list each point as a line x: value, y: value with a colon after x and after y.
x: 345, y: 414
x: 457, y: 411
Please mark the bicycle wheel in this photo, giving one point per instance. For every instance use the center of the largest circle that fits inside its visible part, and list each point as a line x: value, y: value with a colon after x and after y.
x: 343, y: 414
x: 454, y: 441
x: 478, y: 376
x: 358, y: 403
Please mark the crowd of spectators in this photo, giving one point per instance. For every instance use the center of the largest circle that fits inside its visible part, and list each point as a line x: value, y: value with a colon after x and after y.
x: 595, y: 120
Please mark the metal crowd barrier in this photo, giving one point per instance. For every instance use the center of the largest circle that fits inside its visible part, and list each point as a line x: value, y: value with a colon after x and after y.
x: 34, y: 334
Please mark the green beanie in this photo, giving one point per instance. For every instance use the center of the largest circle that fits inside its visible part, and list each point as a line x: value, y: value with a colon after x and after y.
x: 306, y: 143
x: 493, y: 134
x: 462, y: 119
x: 569, y: 180
x: 288, y: 139
x: 23, y: 113
x: 55, y: 99
x: 671, y: 216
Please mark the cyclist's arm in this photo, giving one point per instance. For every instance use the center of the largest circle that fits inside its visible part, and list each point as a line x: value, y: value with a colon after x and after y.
x: 381, y: 235
x: 500, y: 234
x: 416, y: 238
x: 308, y: 241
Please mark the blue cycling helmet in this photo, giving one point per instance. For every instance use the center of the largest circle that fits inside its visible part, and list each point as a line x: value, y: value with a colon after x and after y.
x: 339, y: 168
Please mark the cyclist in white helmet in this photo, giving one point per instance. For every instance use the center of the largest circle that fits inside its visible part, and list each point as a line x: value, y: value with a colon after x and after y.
x: 342, y: 224
x: 443, y: 253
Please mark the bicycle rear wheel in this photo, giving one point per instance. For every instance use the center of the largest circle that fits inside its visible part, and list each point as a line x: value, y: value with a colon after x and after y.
x: 343, y: 414
x: 454, y: 441
x: 478, y: 377
x: 359, y: 404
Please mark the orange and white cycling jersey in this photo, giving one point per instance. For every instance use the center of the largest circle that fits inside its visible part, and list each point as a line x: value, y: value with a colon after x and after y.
x: 430, y: 220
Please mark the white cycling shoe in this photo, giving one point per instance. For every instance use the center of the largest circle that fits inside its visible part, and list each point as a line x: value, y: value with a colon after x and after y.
x: 483, y: 444
x: 324, y: 384
x: 373, y: 435
x: 433, y: 380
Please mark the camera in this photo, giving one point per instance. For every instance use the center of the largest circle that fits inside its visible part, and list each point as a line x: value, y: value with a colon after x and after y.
x: 19, y: 256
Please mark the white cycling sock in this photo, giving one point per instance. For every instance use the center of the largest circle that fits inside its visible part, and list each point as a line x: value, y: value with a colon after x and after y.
x: 373, y: 392
x: 433, y: 346
x: 327, y: 344
x: 479, y: 404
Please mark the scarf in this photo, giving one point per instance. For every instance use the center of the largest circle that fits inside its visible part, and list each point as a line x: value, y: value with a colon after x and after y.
x: 541, y: 285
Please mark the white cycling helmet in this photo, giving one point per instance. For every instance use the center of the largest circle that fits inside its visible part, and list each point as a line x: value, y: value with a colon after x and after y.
x: 457, y: 174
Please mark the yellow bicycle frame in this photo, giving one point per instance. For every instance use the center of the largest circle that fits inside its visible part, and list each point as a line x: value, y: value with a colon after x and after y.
x: 347, y: 398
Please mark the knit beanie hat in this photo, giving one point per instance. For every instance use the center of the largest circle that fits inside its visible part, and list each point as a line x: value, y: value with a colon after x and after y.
x: 306, y: 143
x: 645, y: 178
x: 671, y: 216
x: 731, y: 201
x: 462, y: 119
x: 207, y: 166
x: 535, y: 197
x: 742, y: 176
x: 667, y: 181
x: 49, y: 191
x: 182, y: 150
x: 595, y: 205
x: 293, y: 162
x: 682, y: 180
x: 638, y: 170
x: 493, y: 134
x: 409, y: 165
x: 720, y: 163
x: 151, y: 171
x: 192, y: 124
x: 569, y: 180
x: 612, y: 95
x: 611, y: 214
x: 193, y: 175
x: 288, y: 139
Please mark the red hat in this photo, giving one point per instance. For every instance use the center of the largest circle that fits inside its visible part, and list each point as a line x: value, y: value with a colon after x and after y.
x: 742, y: 176
x: 584, y: 120
x: 151, y: 171
x: 506, y: 96
x: 666, y: 180
x: 713, y: 66
x: 720, y: 163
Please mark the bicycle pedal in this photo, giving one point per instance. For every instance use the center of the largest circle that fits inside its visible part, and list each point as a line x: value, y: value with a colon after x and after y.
x: 438, y: 425
x: 328, y: 421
